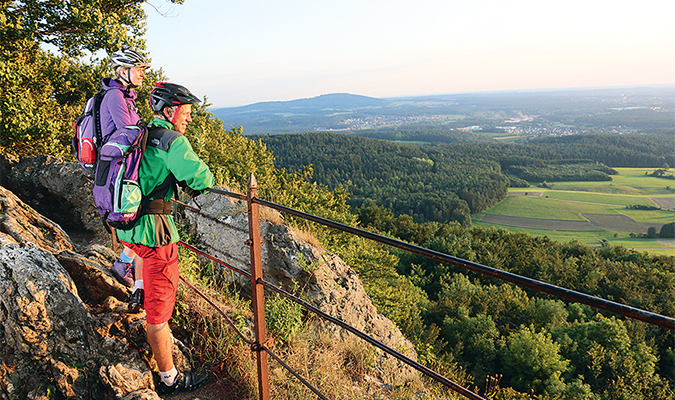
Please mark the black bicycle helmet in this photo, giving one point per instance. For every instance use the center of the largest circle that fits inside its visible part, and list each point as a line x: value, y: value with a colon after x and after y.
x: 166, y: 94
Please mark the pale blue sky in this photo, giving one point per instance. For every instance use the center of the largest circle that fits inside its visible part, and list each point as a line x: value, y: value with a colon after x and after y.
x: 239, y: 52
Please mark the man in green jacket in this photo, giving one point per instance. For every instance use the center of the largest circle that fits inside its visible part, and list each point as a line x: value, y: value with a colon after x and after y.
x: 169, y: 161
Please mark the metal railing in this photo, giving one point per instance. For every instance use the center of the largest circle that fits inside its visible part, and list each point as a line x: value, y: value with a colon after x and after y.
x: 258, y: 284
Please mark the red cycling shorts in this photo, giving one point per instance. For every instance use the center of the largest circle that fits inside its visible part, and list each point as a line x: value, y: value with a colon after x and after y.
x: 160, y: 279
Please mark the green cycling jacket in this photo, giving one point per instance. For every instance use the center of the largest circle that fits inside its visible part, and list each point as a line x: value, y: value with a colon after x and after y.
x: 168, y: 159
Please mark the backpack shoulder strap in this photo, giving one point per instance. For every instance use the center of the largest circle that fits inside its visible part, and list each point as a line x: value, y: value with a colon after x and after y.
x: 161, y: 138
x: 96, y: 112
x: 96, y: 115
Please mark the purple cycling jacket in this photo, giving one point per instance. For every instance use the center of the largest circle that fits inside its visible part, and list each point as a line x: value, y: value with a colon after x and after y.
x: 118, y: 107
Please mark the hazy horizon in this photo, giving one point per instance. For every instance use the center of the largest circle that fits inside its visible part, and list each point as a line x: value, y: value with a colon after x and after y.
x: 534, y: 90
x: 238, y: 53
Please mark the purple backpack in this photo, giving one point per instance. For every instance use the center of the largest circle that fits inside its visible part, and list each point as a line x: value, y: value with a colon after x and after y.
x: 115, y: 160
x: 117, y: 193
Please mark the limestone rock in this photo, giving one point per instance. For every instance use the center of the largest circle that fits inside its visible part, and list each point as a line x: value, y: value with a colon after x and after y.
x: 143, y: 394
x: 95, y: 281
x: 47, y: 334
x: 20, y: 224
x: 41, y: 314
x: 68, y: 380
x: 7, y: 161
x: 123, y: 380
x: 60, y: 190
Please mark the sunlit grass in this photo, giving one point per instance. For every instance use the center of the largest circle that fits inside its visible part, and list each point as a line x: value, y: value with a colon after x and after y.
x: 630, y: 181
x: 655, y: 216
x: 547, y: 208
x: 569, y: 200
x: 600, y: 198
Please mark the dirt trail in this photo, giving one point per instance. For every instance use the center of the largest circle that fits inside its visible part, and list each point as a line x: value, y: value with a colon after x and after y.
x: 213, y: 390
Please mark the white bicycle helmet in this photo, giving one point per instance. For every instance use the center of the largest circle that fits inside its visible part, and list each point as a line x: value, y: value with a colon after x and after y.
x: 127, y: 58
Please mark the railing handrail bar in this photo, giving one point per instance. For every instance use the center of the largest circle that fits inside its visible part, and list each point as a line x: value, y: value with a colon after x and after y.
x: 429, y: 372
x: 596, y: 302
x: 248, y: 341
x: 228, y: 193
x: 519, y: 280
x: 330, y: 318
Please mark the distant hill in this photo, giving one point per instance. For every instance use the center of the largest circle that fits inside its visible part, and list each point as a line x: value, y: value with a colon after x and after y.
x: 302, y: 115
x: 334, y: 101
x: 646, y: 109
x: 325, y: 102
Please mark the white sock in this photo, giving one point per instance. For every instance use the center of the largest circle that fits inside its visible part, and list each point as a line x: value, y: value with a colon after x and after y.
x: 169, y: 377
x: 138, y: 284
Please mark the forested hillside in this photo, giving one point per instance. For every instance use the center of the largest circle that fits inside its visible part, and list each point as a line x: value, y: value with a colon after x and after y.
x: 533, y: 341
x: 429, y: 183
x: 444, y: 182
x: 650, y: 151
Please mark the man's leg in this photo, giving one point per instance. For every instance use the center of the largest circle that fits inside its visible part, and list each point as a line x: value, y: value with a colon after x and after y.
x: 160, y: 272
x: 160, y: 275
x: 159, y: 338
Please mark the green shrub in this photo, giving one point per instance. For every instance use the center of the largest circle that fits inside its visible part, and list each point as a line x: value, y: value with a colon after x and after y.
x: 283, y: 317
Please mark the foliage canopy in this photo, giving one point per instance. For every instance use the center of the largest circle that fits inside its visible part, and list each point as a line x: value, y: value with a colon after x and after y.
x: 45, y: 77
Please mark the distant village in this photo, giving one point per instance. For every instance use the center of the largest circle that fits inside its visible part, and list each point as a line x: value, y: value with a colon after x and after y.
x: 515, y: 126
x: 388, y: 120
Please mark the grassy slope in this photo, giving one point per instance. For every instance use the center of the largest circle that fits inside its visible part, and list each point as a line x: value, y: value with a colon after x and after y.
x: 572, y: 199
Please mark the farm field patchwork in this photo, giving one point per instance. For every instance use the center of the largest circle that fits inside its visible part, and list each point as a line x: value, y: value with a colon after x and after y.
x: 629, y: 181
x: 665, y: 247
x: 599, y: 198
x: 594, y: 213
x: 549, y: 208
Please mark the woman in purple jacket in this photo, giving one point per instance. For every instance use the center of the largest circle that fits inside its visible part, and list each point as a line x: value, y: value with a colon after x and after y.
x: 118, y: 109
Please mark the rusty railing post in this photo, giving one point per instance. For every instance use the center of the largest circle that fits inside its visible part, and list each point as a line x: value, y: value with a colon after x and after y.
x: 255, y: 242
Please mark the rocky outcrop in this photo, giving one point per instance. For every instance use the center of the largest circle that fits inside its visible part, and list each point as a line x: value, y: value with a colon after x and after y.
x: 49, y: 335
x: 42, y: 316
x: 288, y: 261
x: 21, y: 225
x: 52, y: 340
x: 60, y: 190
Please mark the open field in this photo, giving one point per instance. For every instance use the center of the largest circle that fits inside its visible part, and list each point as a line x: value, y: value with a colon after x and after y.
x: 596, y: 238
x: 630, y: 181
x: 592, y: 222
x: 501, y: 136
x: 549, y: 208
x: 599, y: 198
x: 590, y: 212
